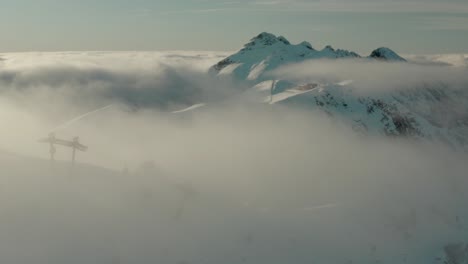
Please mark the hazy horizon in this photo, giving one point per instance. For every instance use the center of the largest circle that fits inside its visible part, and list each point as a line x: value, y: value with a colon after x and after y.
x: 408, y: 27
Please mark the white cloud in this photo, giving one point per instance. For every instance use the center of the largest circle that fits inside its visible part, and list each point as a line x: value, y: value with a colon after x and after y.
x: 372, y: 76
x: 272, y: 185
x: 459, y: 60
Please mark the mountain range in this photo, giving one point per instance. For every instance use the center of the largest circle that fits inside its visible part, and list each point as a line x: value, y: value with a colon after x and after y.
x: 432, y: 112
x: 267, y: 52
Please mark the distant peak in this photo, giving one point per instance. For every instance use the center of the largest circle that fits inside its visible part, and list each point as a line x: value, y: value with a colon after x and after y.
x: 329, y: 47
x: 307, y: 45
x: 284, y: 40
x: 267, y: 39
x: 384, y: 53
x: 264, y: 35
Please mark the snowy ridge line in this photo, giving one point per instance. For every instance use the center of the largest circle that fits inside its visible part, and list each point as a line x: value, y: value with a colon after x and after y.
x: 78, y: 118
x: 193, y: 107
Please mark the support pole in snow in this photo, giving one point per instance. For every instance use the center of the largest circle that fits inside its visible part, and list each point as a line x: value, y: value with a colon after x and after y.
x: 74, y: 144
x: 74, y: 147
x: 271, y: 90
x: 52, y: 149
x: 73, y: 156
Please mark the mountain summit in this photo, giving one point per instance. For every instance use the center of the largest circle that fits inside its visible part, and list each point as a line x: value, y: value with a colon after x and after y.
x: 266, y: 52
x: 267, y: 39
x: 385, y: 54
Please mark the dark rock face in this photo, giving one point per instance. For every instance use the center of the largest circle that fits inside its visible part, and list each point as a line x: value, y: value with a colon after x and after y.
x: 267, y: 39
x: 222, y: 64
x: 307, y: 45
x: 385, y: 54
x: 405, y: 125
x: 394, y: 122
x: 377, y: 54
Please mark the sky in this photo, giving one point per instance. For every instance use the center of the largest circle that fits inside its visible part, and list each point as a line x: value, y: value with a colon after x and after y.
x: 409, y: 27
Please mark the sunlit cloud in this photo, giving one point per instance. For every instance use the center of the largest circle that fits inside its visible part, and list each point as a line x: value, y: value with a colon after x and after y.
x: 162, y: 186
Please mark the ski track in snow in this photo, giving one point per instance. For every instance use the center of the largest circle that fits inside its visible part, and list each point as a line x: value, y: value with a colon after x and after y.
x: 78, y: 118
x: 193, y: 107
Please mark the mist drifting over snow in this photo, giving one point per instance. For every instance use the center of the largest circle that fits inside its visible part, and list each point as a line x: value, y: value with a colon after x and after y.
x: 377, y: 77
x: 233, y: 182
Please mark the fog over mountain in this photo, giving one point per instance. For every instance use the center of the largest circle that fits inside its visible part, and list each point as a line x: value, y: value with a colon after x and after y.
x: 189, y: 162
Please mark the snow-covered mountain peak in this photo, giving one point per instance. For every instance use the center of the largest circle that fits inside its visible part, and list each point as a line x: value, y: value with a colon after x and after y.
x: 284, y: 40
x: 266, y: 39
x: 329, y: 47
x: 385, y: 54
x: 266, y: 52
x: 307, y: 45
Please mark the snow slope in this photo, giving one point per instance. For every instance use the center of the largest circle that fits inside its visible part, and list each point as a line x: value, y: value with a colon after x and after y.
x: 422, y: 113
x: 433, y: 112
x: 190, y: 108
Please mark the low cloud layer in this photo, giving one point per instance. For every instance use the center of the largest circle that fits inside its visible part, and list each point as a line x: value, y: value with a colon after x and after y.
x: 374, y: 77
x: 141, y: 80
x: 234, y: 182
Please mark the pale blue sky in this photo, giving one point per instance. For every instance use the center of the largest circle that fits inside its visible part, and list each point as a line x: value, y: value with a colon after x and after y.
x: 413, y: 26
